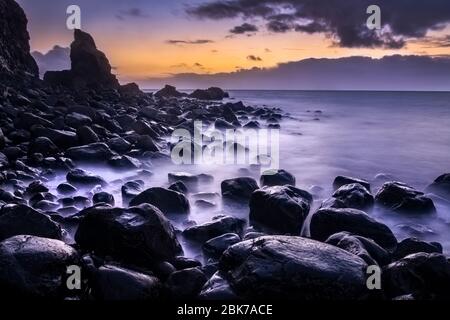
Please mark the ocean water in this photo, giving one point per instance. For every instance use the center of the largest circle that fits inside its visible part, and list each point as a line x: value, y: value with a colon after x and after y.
x: 378, y: 136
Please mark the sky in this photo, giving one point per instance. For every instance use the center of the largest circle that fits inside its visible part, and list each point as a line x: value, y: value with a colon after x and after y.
x: 147, y: 39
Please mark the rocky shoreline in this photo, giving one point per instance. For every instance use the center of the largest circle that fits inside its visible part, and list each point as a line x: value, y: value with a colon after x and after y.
x: 52, y: 127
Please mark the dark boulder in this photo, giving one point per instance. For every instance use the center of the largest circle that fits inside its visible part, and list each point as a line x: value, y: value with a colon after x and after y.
x: 77, y: 120
x: 186, y: 284
x: 131, y: 189
x: 220, y: 225
x: 119, y: 145
x: 112, y: 283
x: 340, y: 181
x: 364, y: 248
x: 281, y: 209
x: 213, y: 93
x: 80, y: 177
x: 413, y: 245
x: 21, y: 219
x: 293, y: 268
x: 277, y: 178
x: 61, y: 138
x: 44, y: 146
x: 218, y: 289
x: 239, y: 188
x: 423, y: 275
x: 86, y: 135
x: 66, y: 189
x: 169, y: 92
x: 441, y: 186
x: 401, y: 198
x: 354, y: 196
x: 216, y: 246
x: 168, y: 201
x: 140, y: 235
x: 26, y: 120
x: 35, y: 267
x: 124, y: 162
x: 328, y: 221
x: 179, y: 187
x: 98, y: 152
x: 103, y: 197
x: 190, y: 180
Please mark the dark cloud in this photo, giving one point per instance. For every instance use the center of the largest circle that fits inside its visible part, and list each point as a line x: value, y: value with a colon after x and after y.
x: 56, y: 59
x: 343, y: 21
x: 199, y: 41
x: 132, y: 13
x: 253, y: 58
x: 267, y: 50
x: 244, y: 28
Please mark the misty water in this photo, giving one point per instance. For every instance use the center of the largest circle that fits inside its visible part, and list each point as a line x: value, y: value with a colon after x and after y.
x: 377, y: 136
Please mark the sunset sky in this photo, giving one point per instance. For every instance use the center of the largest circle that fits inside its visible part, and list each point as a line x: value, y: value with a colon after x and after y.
x: 148, y: 38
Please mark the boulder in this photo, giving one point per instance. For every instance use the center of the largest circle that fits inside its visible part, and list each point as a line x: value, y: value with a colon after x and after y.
x: 281, y: 209
x: 21, y: 219
x: 131, y: 189
x: 340, y: 181
x: 401, y: 198
x: 413, y: 245
x: 216, y: 246
x: 89, y: 66
x: 218, y: 289
x: 103, y: 197
x: 86, y: 135
x: 169, y: 92
x: 139, y: 235
x: 220, y: 225
x: 79, y: 177
x: 353, y: 195
x: 2, y: 139
x: 179, y: 187
x: 168, y: 201
x: 119, y: 145
x: 186, y: 284
x: 113, y: 283
x: 124, y: 162
x: 61, y: 138
x: 423, y: 275
x: 277, y: 178
x: 44, y: 146
x: 240, y: 189
x: 190, y: 180
x: 441, y: 186
x: 66, y: 189
x: 293, y: 268
x: 364, y: 248
x: 213, y: 93
x: 98, y: 152
x: 77, y: 120
x: 328, y: 221
x: 35, y: 267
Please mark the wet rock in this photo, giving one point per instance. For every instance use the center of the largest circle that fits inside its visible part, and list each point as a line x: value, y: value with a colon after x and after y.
x: 413, y: 245
x: 277, y: 178
x: 146, y: 143
x: 168, y: 201
x: 216, y: 246
x: 169, y: 92
x: 280, y: 209
x: 103, y: 197
x: 35, y: 187
x: 441, y: 186
x: 423, y: 275
x: 364, y: 248
x: 91, y: 152
x: 87, y: 136
x: 218, y: 289
x: 46, y: 205
x: 293, y: 268
x: 401, y: 198
x: 203, y: 204
x: 354, y: 196
x: 179, y: 187
x: 229, y: 115
x: 213, y: 93
x: 80, y: 177
x: 61, y: 138
x: 181, y: 263
x: 222, y: 124
x: 124, y: 162
x: 35, y: 267
x: 119, y: 145
x: 139, y: 235
x: 77, y: 120
x: 186, y: 284
x: 240, y: 189
x: 112, y: 283
x: 326, y: 222
x: 190, y: 180
x: 2, y: 139
x: 43, y: 146
x: 21, y: 219
x: 131, y: 189
x: 66, y: 189
x: 342, y: 181
x: 220, y: 225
